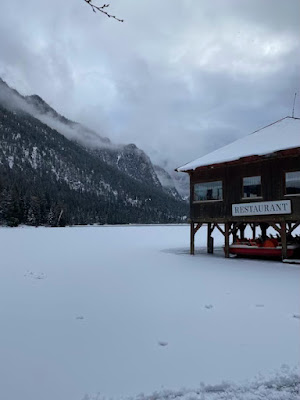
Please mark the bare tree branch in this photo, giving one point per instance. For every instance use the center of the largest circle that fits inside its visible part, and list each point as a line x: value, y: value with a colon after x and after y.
x: 102, y: 10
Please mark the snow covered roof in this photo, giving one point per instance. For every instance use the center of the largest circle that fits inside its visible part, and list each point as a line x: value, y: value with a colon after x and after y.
x: 281, y: 135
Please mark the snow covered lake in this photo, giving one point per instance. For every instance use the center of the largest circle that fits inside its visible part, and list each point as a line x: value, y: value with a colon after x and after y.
x: 124, y: 310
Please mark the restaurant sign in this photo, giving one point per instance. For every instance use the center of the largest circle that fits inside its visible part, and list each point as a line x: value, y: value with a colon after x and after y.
x: 262, y: 208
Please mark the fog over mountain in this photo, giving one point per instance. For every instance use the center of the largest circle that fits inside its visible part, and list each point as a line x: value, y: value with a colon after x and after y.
x: 38, y: 108
x: 113, y: 153
x: 54, y: 171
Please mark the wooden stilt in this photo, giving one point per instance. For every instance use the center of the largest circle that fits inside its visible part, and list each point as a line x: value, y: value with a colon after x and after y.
x: 208, y: 235
x: 192, y: 241
x: 264, y: 226
x: 283, y: 240
x: 253, y: 230
x: 242, y: 231
x: 194, y: 230
x: 227, y: 225
x: 234, y: 232
x: 210, y: 239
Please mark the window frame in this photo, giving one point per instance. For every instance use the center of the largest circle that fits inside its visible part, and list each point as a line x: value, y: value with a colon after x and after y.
x: 242, y: 188
x: 207, y: 201
x: 290, y: 194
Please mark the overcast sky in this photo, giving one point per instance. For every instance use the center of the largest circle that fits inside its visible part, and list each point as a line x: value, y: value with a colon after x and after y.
x: 178, y: 78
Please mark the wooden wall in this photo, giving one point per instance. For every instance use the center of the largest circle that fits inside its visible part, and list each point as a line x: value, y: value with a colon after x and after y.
x: 272, y: 172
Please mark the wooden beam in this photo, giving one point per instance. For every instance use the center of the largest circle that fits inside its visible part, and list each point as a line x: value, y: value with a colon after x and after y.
x: 234, y: 228
x: 220, y: 229
x: 212, y: 228
x: 273, y: 225
x: 197, y: 227
x: 293, y: 227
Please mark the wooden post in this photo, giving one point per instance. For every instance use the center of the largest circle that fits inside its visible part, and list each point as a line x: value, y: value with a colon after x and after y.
x: 192, y: 242
x: 234, y: 233
x: 210, y: 239
x: 226, y: 239
x: 283, y: 240
x: 242, y: 231
x: 264, y: 227
x: 208, y: 235
x: 253, y: 230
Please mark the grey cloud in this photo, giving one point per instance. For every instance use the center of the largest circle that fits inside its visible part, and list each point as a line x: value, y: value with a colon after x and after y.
x: 179, y: 78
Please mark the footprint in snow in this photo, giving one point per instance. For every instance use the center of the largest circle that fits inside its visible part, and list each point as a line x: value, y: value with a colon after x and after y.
x: 80, y: 317
x: 163, y: 344
x: 259, y: 305
x: 34, y: 275
x: 296, y: 316
x: 208, y: 306
x: 41, y: 276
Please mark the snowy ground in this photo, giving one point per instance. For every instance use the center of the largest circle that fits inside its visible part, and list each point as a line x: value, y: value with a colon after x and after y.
x: 124, y: 310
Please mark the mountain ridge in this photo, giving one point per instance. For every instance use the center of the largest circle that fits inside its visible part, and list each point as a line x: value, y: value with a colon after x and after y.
x: 46, y: 178
x: 102, y: 145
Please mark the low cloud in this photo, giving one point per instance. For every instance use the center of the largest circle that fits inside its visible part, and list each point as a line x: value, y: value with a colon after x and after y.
x: 177, y: 78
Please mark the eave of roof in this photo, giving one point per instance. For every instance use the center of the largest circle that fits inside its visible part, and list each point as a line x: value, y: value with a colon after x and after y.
x: 250, y: 159
x: 267, y: 141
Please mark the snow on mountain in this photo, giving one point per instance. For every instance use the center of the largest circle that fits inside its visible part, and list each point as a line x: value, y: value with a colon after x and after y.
x: 182, y: 184
x: 127, y: 158
x: 167, y: 181
x: 109, y: 183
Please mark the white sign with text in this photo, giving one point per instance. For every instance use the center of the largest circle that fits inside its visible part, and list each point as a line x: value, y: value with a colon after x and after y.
x: 262, y: 208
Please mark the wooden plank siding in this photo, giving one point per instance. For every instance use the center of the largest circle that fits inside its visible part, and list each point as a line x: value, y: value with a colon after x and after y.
x: 272, y: 170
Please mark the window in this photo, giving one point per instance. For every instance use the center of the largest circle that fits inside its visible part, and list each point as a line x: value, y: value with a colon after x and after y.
x: 251, y: 186
x: 292, y: 182
x: 207, y: 191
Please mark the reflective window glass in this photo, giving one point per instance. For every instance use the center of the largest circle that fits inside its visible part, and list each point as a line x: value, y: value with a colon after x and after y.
x: 208, y: 191
x: 292, y: 182
x: 252, y: 186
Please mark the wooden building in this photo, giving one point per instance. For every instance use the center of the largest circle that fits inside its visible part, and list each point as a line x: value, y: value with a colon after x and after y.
x: 253, y: 181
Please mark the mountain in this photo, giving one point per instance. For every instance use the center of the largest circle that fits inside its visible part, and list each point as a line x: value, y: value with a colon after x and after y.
x: 127, y: 158
x: 182, y: 184
x: 47, y: 177
x: 37, y: 107
x: 167, y: 182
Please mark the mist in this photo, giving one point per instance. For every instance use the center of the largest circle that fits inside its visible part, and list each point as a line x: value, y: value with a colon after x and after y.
x: 177, y: 78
